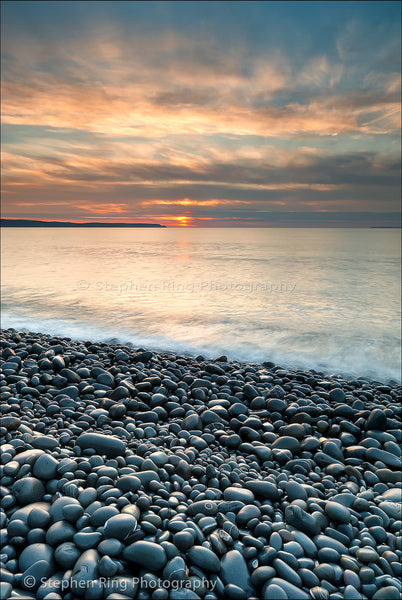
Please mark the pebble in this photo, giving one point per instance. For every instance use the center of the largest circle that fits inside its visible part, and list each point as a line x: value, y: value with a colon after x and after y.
x: 233, y: 570
x: 269, y: 482
x: 204, y: 558
x: 85, y: 571
x: 28, y: 490
x: 120, y: 527
x: 109, y: 446
x: 146, y: 554
x: 337, y: 512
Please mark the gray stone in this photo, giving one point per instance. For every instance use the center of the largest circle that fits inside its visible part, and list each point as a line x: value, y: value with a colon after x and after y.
x: 204, y: 558
x: 233, y: 569
x: 146, y: 554
x: 28, y: 490
x: 85, y: 571
x: 108, y: 445
x: 120, y: 527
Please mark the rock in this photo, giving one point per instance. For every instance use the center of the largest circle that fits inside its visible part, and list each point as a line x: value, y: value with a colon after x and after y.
x: 377, y: 420
x: 28, y: 490
x: 175, y: 570
x: 45, y: 467
x: 337, y: 395
x: 120, y: 527
x: 183, y: 540
x: 108, y: 445
x: 237, y: 493
x: 33, y: 577
x: 374, y: 454
x: 59, y: 532
x: 265, y: 490
x: 85, y: 571
x: 295, y: 491
x: 66, y: 555
x: 302, y: 520
x: 366, y: 555
x: 205, y: 507
x: 192, y: 422
x: 146, y: 554
x: 129, y: 483
x: 204, y: 558
x: 233, y: 570
x: 291, y: 591
x: 337, y: 512
x: 36, y: 552
x: 393, y: 495
x: 10, y: 423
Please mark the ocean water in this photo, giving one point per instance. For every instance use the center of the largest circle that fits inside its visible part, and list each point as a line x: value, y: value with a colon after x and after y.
x: 326, y: 299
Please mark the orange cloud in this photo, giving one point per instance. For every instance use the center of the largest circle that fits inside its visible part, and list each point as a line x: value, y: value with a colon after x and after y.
x: 132, y: 93
x: 188, y: 202
x: 103, y: 208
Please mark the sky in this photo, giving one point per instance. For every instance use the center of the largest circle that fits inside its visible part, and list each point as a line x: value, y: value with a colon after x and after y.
x: 207, y: 114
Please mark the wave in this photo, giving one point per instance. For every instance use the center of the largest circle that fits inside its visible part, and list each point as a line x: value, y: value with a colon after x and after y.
x: 350, y: 357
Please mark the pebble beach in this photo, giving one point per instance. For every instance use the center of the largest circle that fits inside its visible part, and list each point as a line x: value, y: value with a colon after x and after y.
x: 132, y: 474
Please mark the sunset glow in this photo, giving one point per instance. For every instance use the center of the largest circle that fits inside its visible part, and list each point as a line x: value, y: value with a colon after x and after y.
x: 201, y: 113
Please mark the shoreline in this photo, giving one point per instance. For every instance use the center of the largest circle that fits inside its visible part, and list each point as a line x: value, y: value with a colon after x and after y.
x: 218, y: 479
x: 159, y: 348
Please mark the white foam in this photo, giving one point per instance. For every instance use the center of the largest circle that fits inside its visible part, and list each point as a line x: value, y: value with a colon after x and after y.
x: 349, y: 357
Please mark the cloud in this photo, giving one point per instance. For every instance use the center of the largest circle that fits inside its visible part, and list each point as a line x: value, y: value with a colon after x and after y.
x: 157, y: 87
x: 173, y: 119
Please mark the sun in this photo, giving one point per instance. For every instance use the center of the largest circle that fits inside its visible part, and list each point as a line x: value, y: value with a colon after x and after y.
x: 182, y: 221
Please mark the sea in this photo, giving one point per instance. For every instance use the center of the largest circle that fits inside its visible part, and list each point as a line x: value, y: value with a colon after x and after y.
x: 322, y: 299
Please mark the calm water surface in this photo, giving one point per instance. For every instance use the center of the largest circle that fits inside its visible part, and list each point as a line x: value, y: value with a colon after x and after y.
x: 327, y: 299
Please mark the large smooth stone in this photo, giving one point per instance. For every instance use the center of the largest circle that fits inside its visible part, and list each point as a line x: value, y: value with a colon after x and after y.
x: 295, y: 491
x: 234, y: 570
x: 28, y: 457
x: 286, y: 442
x: 238, y: 493
x: 337, y: 512
x: 175, y: 570
x: 45, y: 467
x: 146, y: 554
x: 56, y: 509
x: 299, y: 518
x: 66, y: 555
x: 120, y: 526
x: 103, y: 444
x: 84, y: 572
x: 393, y: 495
x: 324, y: 541
x: 28, y: 490
x: 271, y: 590
x: 292, y: 592
x: 59, y: 532
x: 389, y: 459
x: 377, y: 420
x: 23, y: 514
x: 204, y: 558
x: 206, y: 507
x: 310, y: 549
x: 33, y: 577
x: 34, y: 552
x: 265, y: 490
x: 128, y: 483
x: 286, y: 572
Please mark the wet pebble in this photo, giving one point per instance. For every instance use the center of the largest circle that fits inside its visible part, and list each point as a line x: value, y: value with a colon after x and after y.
x: 269, y: 482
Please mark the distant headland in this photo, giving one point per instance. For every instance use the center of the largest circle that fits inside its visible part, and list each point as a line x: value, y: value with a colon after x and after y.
x: 32, y: 223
